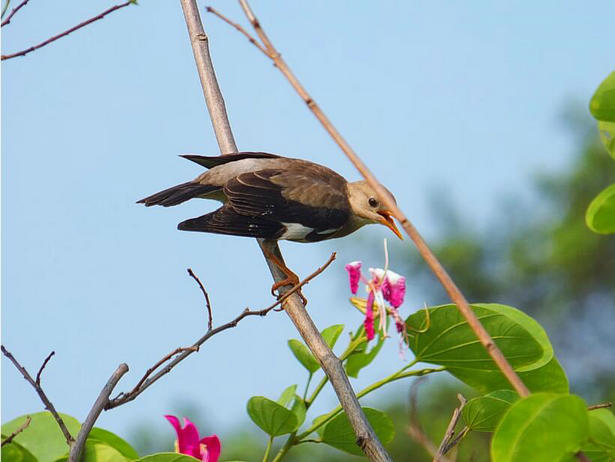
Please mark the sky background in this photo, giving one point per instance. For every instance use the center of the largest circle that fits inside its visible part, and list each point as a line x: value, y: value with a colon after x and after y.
x: 463, y: 100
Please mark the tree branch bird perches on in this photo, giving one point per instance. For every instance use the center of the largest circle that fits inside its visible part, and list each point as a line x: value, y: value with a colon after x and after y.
x: 276, y: 198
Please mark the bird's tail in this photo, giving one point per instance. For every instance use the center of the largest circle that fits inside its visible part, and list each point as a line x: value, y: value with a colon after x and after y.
x: 178, y: 194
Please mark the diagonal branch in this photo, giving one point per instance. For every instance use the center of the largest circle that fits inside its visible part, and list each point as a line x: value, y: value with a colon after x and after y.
x: 66, y: 32
x: 21, y: 428
x: 453, y: 291
x: 50, y: 407
x: 332, y: 366
x: 15, y: 10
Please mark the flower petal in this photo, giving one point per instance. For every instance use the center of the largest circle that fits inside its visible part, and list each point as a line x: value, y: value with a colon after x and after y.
x: 187, y: 437
x: 354, y: 273
x: 212, y: 448
x: 395, y: 289
x: 369, y: 317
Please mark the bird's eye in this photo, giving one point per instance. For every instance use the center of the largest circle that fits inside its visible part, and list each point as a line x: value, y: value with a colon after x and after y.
x: 373, y: 202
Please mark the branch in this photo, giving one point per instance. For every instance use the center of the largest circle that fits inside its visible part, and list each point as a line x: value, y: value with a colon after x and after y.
x: 453, y: 291
x: 331, y: 365
x: 66, y: 32
x: 15, y: 10
x: 40, y: 371
x: 69, y: 439
x: 147, y: 381
x: 599, y: 406
x: 99, y: 405
x: 21, y: 428
x: 210, y: 319
x: 450, y: 441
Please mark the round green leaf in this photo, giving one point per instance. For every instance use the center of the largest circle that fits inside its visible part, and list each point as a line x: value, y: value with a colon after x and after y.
x: 600, y: 215
x: 287, y: 395
x: 361, y: 359
x: 607, y: 136
x: 43, y: 437
x: 483, y: 413
x: 114, y: 441
x: 332, y: 333
x: 273, y: 418
x: 602, y: 104
x: 601, y: 445
x: 298, y: 408
x: 167, y: 457
x: 303, y: 355
x: 14, y: 452
x: 96, y: 451
x: 339, y: 433
x: 548, y: 378
x: 448, y: 340
x: 543, y: 426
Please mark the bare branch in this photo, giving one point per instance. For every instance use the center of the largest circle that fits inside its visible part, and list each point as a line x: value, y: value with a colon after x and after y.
x: 251, y: 39
x: 599, y: 406
x: 21, y: 428
x: 182, y: 353
x: 210, y: 319
x: 99, y: 404
x: 15, y: 10
x: 450, y: 441
x: 69, y: 31
x: 453, y: 291
x: 40, y: 371
x: 69, y: 438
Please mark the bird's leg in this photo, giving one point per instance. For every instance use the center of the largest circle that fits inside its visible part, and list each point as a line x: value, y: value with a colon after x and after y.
x: 291, y: 278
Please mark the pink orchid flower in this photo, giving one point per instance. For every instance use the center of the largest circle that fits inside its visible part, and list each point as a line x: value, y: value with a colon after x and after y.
x: 384, y: 285
x: 206, y: 449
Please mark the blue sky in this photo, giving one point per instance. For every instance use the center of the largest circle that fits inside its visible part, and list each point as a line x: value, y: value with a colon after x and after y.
x: 463, y: 99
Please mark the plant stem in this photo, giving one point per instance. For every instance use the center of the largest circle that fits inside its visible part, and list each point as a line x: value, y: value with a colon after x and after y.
x: 374, y: 386
x: 307, y: 385
x: 268, y: 449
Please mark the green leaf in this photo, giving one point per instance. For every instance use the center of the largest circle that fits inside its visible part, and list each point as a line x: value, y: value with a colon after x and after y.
x: 548, y: 378
x: 332, y: 333
x: 607, y: 136
x: 43, y: 437
x: 361, y: 359
x: 114, y: 441
x: 273, y: 418
x: 14, y: 452
x: 167, y: 457
x: 543, y: 426
x: 96, y: 451
x: 303, y: 355
x: 600, y: 215
x: 339, y: 434
x: 602, y: 104
x: 287, y: 395
x: 483, y: 413
x: 601, y: 445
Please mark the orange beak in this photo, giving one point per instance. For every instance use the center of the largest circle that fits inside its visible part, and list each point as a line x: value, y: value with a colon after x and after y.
x: 387, y: 220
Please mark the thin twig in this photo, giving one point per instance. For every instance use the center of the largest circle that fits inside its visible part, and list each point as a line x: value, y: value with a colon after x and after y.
x: 414, y: 429
x: 210, y: 319
x: 40, y: 371
x: 449, y: 440
x: 453, y: 291
x: 66, y: 32
x: 21, y: 428
x: 599, y: 406
x: 251, y: 39
x: 147, y: 380
x: 15, y: 10
x: 69, y: 439
x: 99, y: 405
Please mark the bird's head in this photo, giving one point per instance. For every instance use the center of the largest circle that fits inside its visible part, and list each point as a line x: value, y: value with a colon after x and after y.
x: 365, y: 204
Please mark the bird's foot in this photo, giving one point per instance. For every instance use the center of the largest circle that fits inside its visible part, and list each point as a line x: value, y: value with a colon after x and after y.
x: 291, y: 280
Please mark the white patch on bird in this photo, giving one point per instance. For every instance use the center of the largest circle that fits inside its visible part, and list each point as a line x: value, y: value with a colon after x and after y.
x: 327, y: 231
x: 295, y: 231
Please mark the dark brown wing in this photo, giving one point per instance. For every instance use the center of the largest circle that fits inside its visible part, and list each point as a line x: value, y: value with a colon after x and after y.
x: 226, y: 221
x: 305, y: 196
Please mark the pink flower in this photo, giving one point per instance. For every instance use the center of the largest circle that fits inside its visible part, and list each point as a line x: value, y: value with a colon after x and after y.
x: 383, y: 285
x: 206, y: 449
x: 354, y: 273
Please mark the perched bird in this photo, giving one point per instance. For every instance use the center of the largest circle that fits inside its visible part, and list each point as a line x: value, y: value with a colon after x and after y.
x: 276, y: 198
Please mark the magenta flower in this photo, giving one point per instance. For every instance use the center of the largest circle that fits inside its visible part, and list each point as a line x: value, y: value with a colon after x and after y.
x: 384, y: 285
x: 206, y: 449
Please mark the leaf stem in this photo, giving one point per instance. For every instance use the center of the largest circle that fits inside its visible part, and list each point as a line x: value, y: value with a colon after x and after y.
x: 307, y: 385
x: 268, y: 449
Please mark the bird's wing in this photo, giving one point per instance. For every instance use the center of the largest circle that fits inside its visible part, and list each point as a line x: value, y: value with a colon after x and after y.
x: 226, y: 221
x: 214, y: 161
x: 313, y: 197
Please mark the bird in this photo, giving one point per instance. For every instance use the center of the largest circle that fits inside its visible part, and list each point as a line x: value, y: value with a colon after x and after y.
x: 275, y: 198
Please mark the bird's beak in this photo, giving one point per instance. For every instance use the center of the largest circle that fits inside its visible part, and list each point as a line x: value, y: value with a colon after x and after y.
x: 387, y: 220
